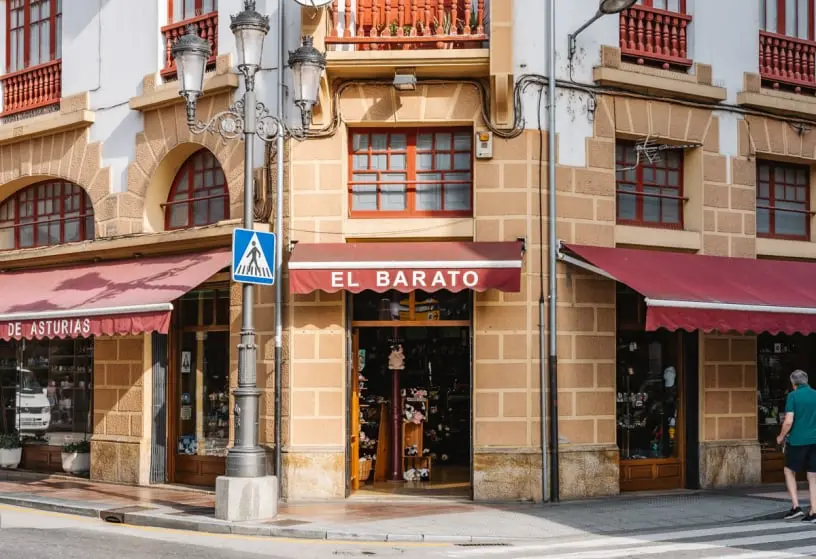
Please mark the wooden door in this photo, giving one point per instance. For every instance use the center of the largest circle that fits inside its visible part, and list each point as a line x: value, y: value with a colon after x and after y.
x: 354, y: 435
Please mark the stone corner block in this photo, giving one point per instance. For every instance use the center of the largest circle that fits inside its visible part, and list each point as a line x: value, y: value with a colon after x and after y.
x: 610, y: 57
x: 239, y: 499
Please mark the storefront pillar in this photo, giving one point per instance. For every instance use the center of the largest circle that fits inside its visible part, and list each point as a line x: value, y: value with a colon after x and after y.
x: 729, y: 452
x: 120, y: 444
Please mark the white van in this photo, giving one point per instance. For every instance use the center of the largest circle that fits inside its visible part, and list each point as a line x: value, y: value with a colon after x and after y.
x: 33, y: 413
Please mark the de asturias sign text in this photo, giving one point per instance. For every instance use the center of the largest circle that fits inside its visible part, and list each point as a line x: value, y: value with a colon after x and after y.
x: 53, y: 328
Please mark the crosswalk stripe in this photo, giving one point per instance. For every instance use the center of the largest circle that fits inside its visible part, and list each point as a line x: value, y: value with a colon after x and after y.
x: 607, y: 541
x: 686, y: 547
x: 790, y: 553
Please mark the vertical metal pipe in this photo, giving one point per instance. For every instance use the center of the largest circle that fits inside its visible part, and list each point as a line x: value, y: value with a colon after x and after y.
x: 279, y: 146
x: 246, y: 458
x: 553, y: 257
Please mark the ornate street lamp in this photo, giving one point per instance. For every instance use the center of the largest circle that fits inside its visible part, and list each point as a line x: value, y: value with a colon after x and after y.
x: 240, y: 494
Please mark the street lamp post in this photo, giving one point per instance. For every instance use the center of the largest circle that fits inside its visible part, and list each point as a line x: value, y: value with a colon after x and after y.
x: 246, y: 492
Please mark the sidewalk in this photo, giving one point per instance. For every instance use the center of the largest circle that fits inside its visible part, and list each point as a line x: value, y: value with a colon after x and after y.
x: 402, y: 520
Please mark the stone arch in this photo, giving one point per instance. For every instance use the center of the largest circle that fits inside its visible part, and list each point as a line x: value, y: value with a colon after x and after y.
x: 163, y: 147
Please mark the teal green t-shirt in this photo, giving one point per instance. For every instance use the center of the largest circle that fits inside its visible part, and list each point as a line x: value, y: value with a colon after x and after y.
x: 802, y: 402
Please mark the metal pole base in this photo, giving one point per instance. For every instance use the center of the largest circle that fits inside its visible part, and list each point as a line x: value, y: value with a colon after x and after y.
x: 246, y: 462
x: 243, y: 499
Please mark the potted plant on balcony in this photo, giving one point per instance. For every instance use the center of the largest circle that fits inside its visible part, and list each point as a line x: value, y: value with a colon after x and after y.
x: 444, y: 28
x: 474, y: 25
x: 76, y: 457
x: 11, y: 450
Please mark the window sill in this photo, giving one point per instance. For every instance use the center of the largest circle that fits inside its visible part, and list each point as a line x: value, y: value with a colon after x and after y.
x: 74, y: 114
x: 430, y: 227
x: 157, y: 95
x: 655, y: 237
x: 771, y: 100
x: 789, y: 249
x: 643, y: 79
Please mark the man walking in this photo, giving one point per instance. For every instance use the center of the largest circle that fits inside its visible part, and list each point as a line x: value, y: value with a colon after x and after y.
x: 800, y: 450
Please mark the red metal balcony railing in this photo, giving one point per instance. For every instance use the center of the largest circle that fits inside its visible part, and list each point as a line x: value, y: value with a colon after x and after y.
x: 407, y: 24
x: 656, y: 36
x: 32, y: 88
x: 207, y: 29
x: 787, y: 61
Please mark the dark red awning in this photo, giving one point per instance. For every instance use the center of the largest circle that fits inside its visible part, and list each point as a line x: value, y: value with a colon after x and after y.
x: 429, y: 266
x: 111, y: 298
x: 708, y: 293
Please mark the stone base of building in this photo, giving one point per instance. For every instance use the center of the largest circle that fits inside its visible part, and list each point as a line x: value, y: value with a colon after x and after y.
x: 507, y: 475
x: 588, y: 471
x: 314, y: 474
x: 730, y: 464
x: 125, y: 462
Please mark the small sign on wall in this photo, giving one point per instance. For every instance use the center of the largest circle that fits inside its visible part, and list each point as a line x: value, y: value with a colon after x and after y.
x: 186, y: 413
x: 186, y: 361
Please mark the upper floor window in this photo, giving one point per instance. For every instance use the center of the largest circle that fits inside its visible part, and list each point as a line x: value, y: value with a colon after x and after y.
x: 44, y: 214
x: 649, y: 192
x: 34, y: 33
x: 668, y: 5
x: 411, y: 173
x: 188, y: 9
x: 783, y: 200
x: 199, y: 194
x: 793, y: 18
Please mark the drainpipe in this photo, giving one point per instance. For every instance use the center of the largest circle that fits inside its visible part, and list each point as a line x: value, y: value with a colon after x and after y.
x: 552, y: 362
x: 279, y: 146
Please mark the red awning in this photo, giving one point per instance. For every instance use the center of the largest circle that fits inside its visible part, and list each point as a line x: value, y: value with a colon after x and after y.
x: 428, y: 266
x: 111, y: 298
x: 708, y: 293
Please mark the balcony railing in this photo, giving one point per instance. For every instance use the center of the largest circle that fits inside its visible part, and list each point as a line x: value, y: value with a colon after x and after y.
x: 407, y: 24
x: 787, y: 61
x: 32, y: 88
x: 207, y: 29
x: 655, y: 36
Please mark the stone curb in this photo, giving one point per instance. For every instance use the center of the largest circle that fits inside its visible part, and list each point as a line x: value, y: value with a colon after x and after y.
x: 160, y: 520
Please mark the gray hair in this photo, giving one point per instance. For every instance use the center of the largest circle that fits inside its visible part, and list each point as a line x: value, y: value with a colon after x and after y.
x: 799, y: 377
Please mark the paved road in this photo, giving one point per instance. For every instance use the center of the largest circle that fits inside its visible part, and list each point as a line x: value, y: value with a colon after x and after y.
x: 28, y: 534
x: 761, y: 540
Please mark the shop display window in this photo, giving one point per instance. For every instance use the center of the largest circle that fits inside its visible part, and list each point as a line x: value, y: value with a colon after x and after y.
x: 46, y: 389
x: 648, y: 394
x: 416, y: 306
x: 778, y: 356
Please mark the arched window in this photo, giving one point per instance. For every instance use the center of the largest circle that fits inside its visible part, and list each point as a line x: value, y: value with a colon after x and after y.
x: 199, y: 194
x: 44, y: 214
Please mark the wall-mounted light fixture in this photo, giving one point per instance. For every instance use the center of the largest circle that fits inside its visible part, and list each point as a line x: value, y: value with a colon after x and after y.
x: 405, y: 79
x: 605, y: 7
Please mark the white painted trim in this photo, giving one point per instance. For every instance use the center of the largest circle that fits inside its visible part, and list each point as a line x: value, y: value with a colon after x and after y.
x: 585, y: 265
x: 727, y: 306
x: 82, y: 313
x: 407, y: 265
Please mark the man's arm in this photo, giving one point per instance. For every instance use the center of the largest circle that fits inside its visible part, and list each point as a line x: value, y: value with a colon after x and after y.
x: 786, y: 427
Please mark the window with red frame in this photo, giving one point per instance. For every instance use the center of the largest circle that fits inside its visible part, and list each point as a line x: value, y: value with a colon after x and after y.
x: 188, y: 9
x: 45, y: 214
x: 199, y: 194
x: 783, y: 200
x: 649, y: 192
x: 793, y: 18
x: 678, y: 6
x: 33, y: 34
x: 411, y: 173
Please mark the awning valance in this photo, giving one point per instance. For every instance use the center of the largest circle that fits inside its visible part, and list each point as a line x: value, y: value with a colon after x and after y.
x: 405, y: 266
x: 107, y: 298
x: 708, y: 293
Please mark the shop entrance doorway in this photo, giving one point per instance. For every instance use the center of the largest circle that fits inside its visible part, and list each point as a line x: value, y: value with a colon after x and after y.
x: 410, y: 397
x: 198, y: 391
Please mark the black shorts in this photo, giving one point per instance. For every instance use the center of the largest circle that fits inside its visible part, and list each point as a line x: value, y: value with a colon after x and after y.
x: 801, y: 458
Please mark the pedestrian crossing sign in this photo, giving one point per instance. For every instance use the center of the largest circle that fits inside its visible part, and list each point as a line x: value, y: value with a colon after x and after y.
x: 253, y: 257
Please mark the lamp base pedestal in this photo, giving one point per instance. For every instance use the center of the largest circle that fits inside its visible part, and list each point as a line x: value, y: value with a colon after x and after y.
x: 242, y: 499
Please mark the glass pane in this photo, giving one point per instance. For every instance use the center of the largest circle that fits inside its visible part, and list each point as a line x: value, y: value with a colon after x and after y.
x: 214, y: 397
x: 188, y: 442
x: 364, y: 198
x: 379, y: 162
x: 425, y: 162
x: 764, y: 190
x: 359, y: 163
x: 89, y: 228
x: 392, y: 198
x: 34, y: 46
x: 207, y: 6
x: 379, y: 142
x: 45, y: 42
x: 461, y: 141
x: 763, y: 223
x: 71, y: 230
x: 671, y: 211
x: 443, y: 141
x: 359, y: 142
x: 660, y: 177
x: 764, y: 173
x: 789, y: 223
x: 674, y: 178
x: 399, y: 142
x: 443, y: 161
x: 790, y: 19
x: 217, y: 210
x: 457, y: 197
x: 425, y: 142
x: 398, y: 162
x: 461, y: 161
x: 627, y: 208
x: 648, y: 174
x: 651, y: 205
x: 178, y: 215
x: 429, y: 197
